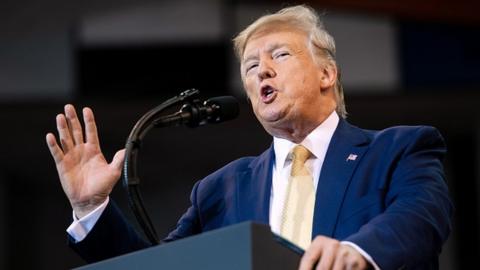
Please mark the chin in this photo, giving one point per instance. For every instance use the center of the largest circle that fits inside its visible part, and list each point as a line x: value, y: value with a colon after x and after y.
x: 271, y: 115
x: 273, y: 123
x: 271, y: 119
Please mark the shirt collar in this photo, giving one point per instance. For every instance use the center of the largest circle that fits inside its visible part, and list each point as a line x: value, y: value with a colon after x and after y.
x: 316, y: 142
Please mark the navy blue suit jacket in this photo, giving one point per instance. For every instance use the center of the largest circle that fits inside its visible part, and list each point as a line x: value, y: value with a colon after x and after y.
x: 391, y: 200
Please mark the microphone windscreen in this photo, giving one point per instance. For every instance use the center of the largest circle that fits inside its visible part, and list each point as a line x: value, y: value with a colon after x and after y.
x: 224, y: 108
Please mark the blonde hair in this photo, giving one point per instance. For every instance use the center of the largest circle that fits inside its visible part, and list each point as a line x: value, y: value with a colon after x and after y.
x: 303, y: 18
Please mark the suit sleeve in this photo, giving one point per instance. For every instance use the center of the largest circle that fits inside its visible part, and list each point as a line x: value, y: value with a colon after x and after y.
x: 417, y: 219
x: 111, y: 236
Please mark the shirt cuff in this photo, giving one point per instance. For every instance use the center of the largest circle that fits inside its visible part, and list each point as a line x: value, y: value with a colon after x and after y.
x: 80, y: 228
x: 363, y: 253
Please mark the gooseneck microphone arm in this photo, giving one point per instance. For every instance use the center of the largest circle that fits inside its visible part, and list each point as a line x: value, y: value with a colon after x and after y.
x: 193, y: 113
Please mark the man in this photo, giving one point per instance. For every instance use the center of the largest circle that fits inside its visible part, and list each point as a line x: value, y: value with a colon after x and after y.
x: 366, y: 198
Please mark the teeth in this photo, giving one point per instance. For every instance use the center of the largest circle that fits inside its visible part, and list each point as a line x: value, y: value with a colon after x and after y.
x: 268, y: 92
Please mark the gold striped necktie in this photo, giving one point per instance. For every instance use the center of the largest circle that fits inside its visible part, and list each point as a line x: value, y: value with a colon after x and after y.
x: 297, y: 215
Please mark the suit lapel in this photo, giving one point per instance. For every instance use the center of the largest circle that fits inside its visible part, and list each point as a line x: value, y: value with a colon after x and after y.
x: 345, y: 151
x: 254, y: 188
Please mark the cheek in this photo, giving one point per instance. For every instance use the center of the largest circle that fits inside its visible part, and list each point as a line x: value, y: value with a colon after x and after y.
x: 294, y: 76
x: 297, y: 83
x: 250, y: 87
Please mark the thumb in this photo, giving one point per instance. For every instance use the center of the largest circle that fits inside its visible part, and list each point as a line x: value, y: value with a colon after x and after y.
x: 117, y: 161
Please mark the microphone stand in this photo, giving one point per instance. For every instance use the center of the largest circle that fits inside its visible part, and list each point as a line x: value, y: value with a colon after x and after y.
x: 131, y: 181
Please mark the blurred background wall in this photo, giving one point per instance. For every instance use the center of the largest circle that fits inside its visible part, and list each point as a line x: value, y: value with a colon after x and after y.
x: 402, y: 62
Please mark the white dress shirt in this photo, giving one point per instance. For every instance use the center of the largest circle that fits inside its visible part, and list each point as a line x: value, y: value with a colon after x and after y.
x: 316, y: 142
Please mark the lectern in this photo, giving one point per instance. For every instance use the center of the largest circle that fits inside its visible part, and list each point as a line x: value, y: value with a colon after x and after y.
x: 245, y: 246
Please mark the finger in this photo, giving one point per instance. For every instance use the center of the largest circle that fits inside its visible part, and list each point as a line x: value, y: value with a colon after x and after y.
x: 339, y: 263
x: 311, y: 255
x: 64, y: 133
x: 356, y: 261
x: 328, y: 257
x: 55, y: 150
x: 90, y: 126
x: 74, y: 124
x: 349, y: 258
x: 117, y: 161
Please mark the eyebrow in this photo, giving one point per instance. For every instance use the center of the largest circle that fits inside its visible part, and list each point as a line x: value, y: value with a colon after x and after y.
x: 270, y: 48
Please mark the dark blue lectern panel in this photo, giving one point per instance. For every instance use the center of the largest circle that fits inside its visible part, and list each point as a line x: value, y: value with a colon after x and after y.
x: 238, y: 247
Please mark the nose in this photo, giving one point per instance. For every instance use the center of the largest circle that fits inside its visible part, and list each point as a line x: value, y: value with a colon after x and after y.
x: 266, y: 70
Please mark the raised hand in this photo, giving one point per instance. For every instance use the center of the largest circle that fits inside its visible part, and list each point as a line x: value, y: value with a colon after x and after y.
x: 86, y: 177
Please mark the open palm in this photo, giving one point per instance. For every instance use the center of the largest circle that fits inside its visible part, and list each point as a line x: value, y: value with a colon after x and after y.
x: 86, y: 177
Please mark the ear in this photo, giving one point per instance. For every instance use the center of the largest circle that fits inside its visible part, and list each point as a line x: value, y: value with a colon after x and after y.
x: 328, y: 75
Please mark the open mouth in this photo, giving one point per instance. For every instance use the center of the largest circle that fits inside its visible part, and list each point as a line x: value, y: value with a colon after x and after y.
x: 268, y: 93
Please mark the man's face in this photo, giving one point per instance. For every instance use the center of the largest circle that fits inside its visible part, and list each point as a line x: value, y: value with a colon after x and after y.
x: 284, y: 83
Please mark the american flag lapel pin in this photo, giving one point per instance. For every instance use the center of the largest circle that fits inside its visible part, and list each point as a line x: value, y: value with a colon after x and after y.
x: 352, y: 157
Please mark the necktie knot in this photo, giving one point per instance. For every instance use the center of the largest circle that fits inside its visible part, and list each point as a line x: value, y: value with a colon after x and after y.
x: 300, y: 154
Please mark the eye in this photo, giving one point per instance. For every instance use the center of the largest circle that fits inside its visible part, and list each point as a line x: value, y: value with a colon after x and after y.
x: 251, y: 66
x: 281, y: 54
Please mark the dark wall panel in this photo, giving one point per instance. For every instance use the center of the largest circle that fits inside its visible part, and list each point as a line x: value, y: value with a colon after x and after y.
x: 439, y: 56
x: 155, y: 70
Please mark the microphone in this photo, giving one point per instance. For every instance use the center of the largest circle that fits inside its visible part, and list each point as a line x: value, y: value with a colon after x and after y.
x: 194, y: 114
